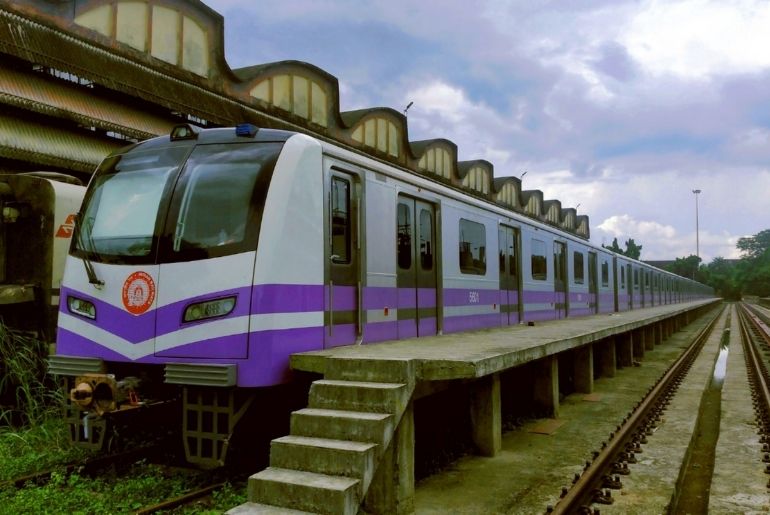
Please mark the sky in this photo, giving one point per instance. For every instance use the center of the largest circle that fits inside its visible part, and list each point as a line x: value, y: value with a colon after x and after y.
x: 619, y: 108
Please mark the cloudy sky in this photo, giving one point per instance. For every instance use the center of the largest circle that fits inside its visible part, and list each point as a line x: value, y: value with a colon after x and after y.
x: 623, y: 107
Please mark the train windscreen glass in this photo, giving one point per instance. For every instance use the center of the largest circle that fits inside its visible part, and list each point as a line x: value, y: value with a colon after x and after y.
x: 119, y: 216
x: 220, y: 195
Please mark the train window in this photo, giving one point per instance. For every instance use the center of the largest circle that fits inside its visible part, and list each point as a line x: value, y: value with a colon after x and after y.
x: 426, y: 239
x: 636, y: 279
x: 622, y: 277
x: 579, y: 269
x: 605, y: 273
x: 340, y: 226
x: 473, y: 248
x: 539, y: 262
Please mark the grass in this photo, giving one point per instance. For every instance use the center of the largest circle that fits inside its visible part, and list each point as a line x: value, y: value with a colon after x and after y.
x: 27, y: 396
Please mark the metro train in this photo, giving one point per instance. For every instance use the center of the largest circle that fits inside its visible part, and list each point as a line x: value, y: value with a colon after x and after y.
x: 202, y: 260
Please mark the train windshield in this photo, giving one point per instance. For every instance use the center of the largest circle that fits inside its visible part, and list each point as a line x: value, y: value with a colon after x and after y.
x: 120, y: 215
x: 217, y: 203
x: 177, y: 203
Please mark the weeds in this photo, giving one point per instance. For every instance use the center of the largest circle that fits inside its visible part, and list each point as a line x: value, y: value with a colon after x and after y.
x: 25, y: 391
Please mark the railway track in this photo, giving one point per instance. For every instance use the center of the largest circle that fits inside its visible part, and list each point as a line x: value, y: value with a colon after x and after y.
x: 606, y: 477
x: 89, y: 467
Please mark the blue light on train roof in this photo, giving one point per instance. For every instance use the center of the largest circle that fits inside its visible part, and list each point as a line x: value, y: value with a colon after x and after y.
x: 245, y: 130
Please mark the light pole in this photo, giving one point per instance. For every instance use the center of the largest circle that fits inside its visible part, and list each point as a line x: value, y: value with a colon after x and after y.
x: 697, y: 232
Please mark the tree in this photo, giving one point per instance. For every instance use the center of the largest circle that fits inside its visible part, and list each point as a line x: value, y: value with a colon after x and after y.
x: 755, y: 246
x: 615, y: 247
x: 632, y: 249
x: 686, y: 267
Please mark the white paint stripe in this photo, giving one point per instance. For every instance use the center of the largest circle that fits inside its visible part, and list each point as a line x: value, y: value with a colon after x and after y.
x: 104, y: 338
x: 272, y: 321
x: 213, y: 329
x: 482, y: 309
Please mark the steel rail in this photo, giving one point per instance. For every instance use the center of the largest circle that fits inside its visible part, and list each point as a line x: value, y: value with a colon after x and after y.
x: 748, y: 320
x: 581, y: 490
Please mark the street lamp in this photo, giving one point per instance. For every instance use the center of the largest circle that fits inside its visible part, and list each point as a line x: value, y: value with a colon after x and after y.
x: 697, y: 235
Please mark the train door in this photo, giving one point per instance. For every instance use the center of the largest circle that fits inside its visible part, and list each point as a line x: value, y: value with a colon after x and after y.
x: 593, y: 283
x: 509, y: 240
x: 560, y: 278
x: 343, y: 291
x: 629, y: 287
x: 416, y: 256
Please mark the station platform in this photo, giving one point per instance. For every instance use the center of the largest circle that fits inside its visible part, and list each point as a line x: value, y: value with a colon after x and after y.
x: 354, y: 446
x: 479, y: 353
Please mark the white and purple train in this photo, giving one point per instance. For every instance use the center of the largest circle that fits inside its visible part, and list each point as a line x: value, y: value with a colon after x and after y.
x: 204, y: 259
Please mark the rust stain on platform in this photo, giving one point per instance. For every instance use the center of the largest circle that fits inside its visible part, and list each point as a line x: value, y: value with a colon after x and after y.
x: 592, y: 397
x: 547, y: 427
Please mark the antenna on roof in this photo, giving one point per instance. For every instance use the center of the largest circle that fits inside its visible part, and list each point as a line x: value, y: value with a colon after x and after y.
x: 407, y: 107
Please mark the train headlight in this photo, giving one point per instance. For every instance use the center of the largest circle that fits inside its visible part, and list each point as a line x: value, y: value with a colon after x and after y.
x: 81, y: 307
x: 209, y: 309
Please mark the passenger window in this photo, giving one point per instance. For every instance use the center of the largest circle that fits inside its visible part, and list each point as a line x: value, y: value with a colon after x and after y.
x: 539, y: 262
x: 577, y: 265
x: 605, y: 273
x: 622, y: 277
x: 473, y: 248
x: 340, y: 213
x: 426, y: 239
x: 636, y: 279
x: 404, y: 236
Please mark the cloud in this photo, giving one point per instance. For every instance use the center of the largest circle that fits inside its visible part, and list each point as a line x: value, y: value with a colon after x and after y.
x: 700, y: 38
x: 619, y: 106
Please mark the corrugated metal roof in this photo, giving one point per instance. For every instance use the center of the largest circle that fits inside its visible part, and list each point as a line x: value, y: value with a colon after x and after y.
x: 34, y: 91
x: 39, y: 143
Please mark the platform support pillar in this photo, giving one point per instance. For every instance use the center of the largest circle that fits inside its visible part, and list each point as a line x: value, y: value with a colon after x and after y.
x: 646, y: 338
x: 583, y: 368
x: 638, y: 343
x: 625, y: 350
x: 659, y: 333
x: 606, y: 350
x: 486, y: 420
x: 546, y: 386
x: 392, y: 488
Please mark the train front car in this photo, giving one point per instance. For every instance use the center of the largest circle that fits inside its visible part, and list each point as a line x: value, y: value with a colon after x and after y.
x: 187, y: 278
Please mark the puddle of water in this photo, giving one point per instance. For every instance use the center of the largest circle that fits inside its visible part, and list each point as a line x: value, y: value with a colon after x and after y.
x: 720, y: 368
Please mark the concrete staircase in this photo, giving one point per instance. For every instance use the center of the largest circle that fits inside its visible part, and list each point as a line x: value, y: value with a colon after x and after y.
x: 328, y: 462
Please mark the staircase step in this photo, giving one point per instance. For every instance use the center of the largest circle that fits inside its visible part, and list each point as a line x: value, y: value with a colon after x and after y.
x: 380, y: 370
x: 325, y: 456
x: 308, y: 491
x: 343, y: 425
x: 359, y: 396
x: 254, y: 508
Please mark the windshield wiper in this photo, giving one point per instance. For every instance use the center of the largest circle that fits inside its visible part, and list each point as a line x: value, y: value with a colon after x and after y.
x: 87, y: 249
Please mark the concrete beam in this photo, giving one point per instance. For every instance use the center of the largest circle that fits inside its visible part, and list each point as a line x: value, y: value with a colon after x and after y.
x: 392, y: 488
x: 583, y: 368
x: 606, y: 353
x: 486, y: 420
x: 624, y: 345
x: 546, y: 386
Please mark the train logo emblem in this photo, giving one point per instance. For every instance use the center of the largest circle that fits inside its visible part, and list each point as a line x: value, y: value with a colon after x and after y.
x: 65, y: 229
x: 138, y: 293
